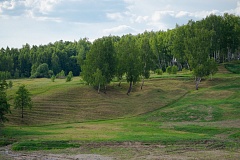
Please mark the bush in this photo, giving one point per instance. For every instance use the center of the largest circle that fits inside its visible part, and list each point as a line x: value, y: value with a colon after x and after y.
x: 69, y: 76
x: 42, y: 71
x: 53, y: 78
x: 169, y: 69
x: 68, y: 79
x: 159, y: 71
x: 61, y: 75
x: 174, y: 70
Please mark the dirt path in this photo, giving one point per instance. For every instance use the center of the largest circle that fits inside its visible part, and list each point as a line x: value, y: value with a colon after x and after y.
x: 124, y: 151
x: 7, y: 154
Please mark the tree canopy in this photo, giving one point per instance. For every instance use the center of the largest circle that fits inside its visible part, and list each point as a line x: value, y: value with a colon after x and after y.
x: 197, y: 46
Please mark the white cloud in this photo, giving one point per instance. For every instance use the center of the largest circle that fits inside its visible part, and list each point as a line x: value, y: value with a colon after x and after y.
x: 122, y: 29
x: 50, y: 20
x: 8, y: 5
x: 115, y: 16
x: 42, y: 6
x: 141, y: 19
x: 182, y: 14
x: 203, y: 14
x: 30, y: 14
x: 237, y: 10
x: 159, y: 15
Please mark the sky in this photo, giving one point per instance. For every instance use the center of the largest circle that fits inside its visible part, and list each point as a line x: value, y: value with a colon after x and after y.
x: 39, y: 22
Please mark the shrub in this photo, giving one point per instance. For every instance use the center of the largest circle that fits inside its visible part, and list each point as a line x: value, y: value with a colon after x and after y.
x: 69, y: 76
x: 169, y: 69
x: 159, y: 71
x: 42, y: 71
x: 61, y: 75
x: 53, y: 78
x: 174, y: 69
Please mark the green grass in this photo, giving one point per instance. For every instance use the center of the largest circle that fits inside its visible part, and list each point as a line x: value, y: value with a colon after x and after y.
x: 167, y: 111
x: 233, y: 67
x: 43, y: 145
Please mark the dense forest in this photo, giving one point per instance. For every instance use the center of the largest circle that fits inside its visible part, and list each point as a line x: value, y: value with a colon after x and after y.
x: 197, y: 45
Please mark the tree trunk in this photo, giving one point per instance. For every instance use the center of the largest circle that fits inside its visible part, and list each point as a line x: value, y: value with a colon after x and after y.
x: 159, y: 62
x: 142, y: 83
x: 130, y: 88
x: 144, y: 70
x: 198, y: 80
x: 188, y: 67
x: 99, y: 86
x: 22, y: 108
x: 105, y: 89
x: 120, y: 81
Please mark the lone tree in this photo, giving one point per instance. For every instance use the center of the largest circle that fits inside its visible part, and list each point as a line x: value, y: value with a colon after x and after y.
x: 4, y: 105
x: 100, y: 64
x: 197, y: 49
x: 22, y: 99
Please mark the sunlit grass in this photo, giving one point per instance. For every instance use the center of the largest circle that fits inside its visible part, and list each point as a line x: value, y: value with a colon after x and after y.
x: 167, y: 111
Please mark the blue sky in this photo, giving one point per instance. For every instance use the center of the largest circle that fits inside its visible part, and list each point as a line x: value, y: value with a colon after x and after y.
x: 42, y: 21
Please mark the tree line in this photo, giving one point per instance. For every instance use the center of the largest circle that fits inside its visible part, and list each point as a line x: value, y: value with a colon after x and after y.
x: 197, y: 45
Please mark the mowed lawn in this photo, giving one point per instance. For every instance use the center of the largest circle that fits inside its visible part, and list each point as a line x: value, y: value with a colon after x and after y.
x: 168, y: 111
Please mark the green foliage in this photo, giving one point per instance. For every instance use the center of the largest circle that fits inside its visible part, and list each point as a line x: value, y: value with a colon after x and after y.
x: 53, y: 78
x: 42, y: 71
x: 174, y: 69
x: 201, y: 129
x: 192, y: 44
x: 69, y: 76
x: 100, y: 57
x: 4, y: 105
x: 10, y: 84
x: 233, y: 67
x: 43, y: 145
x: 169, y: 69
x: 22, y: 99
x: 61, y: 75
x: 159, y: 71
x: 5, y: 75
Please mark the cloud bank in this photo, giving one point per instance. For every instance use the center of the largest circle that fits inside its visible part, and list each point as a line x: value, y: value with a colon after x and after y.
x: 43, y: 21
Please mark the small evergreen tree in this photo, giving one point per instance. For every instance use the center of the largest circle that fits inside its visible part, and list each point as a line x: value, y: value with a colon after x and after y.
x: 22, y: 99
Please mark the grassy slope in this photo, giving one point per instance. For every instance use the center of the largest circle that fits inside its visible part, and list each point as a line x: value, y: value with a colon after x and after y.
x: 61, y: 102
x: 167, y: 111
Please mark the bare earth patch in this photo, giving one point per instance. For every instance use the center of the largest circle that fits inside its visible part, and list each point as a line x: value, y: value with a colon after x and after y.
x: 7, y: 153
x: 127, y: 150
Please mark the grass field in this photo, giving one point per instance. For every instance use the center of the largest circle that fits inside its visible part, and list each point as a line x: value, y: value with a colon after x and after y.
x: 167, y: 118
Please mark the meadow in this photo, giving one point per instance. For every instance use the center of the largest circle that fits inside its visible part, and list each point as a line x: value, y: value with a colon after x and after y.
x: 167, y: 119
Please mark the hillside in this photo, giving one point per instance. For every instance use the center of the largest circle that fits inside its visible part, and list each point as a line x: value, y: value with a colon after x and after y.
x: 167, y: 119
x: 61, y: 102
